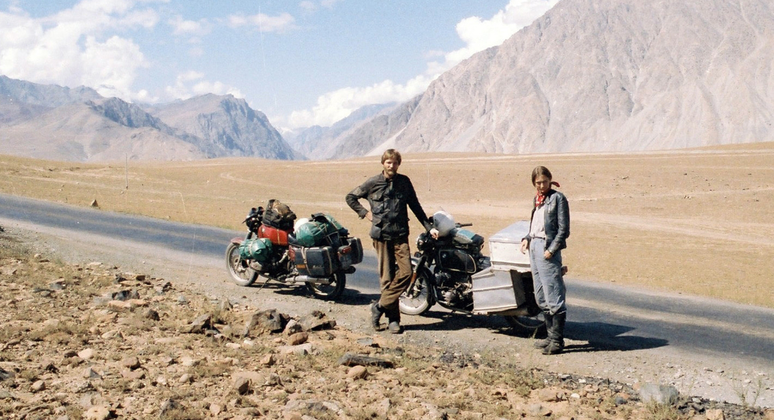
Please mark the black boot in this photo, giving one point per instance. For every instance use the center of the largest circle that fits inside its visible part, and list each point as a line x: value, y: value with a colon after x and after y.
x: 541, y: 344
x: 556, y: 335
x: 376, y: 315
x: 394, y: 321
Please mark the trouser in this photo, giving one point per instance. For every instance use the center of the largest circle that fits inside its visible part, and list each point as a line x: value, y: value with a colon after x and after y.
x: 547, y: 279
x: 394, y: 261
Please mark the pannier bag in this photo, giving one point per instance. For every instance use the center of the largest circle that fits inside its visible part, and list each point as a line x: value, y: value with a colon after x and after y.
x: 317, y: 261
x: 278, y: 215
x: 258, y: 249
x: 351, y: 253
x: 310, y: 234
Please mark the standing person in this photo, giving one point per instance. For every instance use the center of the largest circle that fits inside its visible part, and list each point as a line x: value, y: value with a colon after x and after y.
x: 389, y: 194
x: 549, y: 229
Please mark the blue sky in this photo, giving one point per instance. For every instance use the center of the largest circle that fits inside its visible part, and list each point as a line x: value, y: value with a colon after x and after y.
x: 300, y: 62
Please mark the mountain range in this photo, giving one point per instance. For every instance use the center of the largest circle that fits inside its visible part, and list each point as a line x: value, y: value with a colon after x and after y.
x: 588, y: 76
x: 59, y: 123
x: 602, y: 76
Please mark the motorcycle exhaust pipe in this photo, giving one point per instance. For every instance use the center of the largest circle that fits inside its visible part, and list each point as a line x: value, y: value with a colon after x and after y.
x: 314, y: 280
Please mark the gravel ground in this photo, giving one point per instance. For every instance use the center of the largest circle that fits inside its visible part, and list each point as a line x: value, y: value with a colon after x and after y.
x: 703, y: 381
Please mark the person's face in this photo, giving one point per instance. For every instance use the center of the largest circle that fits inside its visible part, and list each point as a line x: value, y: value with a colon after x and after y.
x: 390, y: 167
x: 542, y: 184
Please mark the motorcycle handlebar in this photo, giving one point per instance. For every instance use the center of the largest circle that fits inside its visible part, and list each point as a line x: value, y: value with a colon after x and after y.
x: 464, y: 224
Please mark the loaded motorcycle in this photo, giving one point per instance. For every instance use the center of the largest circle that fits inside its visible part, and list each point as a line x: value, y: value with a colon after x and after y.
x: 452, y: 272
x: 318, y: 252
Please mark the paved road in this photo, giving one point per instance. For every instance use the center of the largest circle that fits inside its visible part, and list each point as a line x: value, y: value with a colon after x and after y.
x: 604, y: 317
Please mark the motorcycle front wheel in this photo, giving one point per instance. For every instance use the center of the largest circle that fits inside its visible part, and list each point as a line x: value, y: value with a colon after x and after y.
x: 417, y: 299
x: 335, y: 287
x: 240, y: 272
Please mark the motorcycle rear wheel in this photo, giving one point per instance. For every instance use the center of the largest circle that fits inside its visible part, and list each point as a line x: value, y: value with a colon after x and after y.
x: 337, y: 283
x: 417, y: 299
x: 240, y: 271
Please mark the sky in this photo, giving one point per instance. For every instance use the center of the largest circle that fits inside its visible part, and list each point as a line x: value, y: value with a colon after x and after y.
x: 302, y: 63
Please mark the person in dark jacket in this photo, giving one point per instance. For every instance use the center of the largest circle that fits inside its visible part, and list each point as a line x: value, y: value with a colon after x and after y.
x: 548, y: 233
x: 389, y: 194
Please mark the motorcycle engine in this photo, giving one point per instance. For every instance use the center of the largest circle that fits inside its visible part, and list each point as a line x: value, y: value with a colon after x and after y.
x: 455, y: 288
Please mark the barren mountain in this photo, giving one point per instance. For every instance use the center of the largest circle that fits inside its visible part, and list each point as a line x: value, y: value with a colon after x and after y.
x: 226, y: 126
x: 83, y: 132
x: 607, y: 75
x: 320, y: 143
x: 59, y: 123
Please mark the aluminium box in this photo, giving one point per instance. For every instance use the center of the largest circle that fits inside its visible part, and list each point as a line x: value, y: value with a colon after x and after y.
x: 505, y: 247
x: 496, y: 290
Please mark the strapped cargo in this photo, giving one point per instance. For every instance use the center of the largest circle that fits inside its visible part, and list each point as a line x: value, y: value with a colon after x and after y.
x: 319, y: 261
x: 310, y: 234
x: 278, y: 215
x: 258, y: 249
x: 276, y: 236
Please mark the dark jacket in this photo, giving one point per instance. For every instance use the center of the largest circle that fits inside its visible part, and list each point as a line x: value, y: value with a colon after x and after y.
x: 388, y: 199
x: 557, y: 221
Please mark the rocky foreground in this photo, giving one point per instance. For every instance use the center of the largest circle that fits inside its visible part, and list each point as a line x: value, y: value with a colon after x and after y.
x: 95, y: 342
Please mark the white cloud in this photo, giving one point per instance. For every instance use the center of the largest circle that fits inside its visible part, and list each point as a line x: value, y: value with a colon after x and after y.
x: 189, y: 27
x: 263, y: 22
x: 476, y: 33
x: 70, y: 47
x: 336, y: 105
x: 193, y: 83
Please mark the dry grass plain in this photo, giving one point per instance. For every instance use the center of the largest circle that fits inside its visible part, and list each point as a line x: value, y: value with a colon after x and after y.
x: 697, y: 222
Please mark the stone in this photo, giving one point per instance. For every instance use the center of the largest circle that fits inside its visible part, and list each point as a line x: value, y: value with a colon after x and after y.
x: 242, y: 385
x: 98, y: 412
x: 715, y: 414
x: 301, y: 350
x: 38, y: 386
x: 265, y: 321
x: 86, y: 354
x: 131, y: 362
x: 199, y: 325
x: 298, y: 338
x: 89, y: 373
x: 151, y: 314
x: 316, y: 321
x: 662, y: 394
x: 268, y: 360
x: 350, y: 359
x: 357, y: 372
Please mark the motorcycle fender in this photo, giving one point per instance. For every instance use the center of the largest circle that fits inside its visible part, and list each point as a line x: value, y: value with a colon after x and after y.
x: 237, y: 241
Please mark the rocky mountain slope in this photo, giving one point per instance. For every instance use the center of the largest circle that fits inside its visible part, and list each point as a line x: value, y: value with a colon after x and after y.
x: 606, y: 75
x: 54, y: 122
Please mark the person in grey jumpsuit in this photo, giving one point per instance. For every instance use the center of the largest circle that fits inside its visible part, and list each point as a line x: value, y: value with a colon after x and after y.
x: 548, y: 233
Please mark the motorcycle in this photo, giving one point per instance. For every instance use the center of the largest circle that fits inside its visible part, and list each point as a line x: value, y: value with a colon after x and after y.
x: 278, y: 253
x: 452, y: 272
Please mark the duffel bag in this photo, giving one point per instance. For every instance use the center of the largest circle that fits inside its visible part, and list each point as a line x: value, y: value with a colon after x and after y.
x: 278, y: 215
x: 310, y: 234
x: 276, y: 236
x: 319, y: 261
x: 258, y: 249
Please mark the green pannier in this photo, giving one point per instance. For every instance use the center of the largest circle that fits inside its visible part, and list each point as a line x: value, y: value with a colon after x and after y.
x: 310, y: 234
x: 258, y: 249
